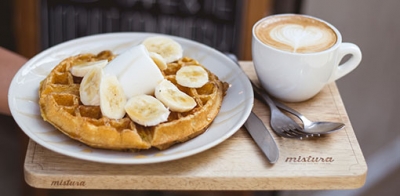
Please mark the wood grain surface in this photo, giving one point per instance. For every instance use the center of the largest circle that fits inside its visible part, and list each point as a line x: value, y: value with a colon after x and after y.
x: 334, y: 161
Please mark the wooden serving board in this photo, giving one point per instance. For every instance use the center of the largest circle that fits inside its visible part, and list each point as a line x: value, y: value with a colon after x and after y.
x: 334, y: 161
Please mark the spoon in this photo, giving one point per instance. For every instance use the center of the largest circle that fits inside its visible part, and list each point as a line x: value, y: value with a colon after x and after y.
x: 319, y: 127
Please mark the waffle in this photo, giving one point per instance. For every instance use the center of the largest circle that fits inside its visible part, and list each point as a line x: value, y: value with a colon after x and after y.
x: 60, y: 105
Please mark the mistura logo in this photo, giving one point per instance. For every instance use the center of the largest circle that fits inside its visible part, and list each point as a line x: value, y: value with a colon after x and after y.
x: 70, y: 183
x: 309, y: 159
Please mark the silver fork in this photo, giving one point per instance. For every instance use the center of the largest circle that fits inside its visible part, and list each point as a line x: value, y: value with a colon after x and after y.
x: 280, y: 123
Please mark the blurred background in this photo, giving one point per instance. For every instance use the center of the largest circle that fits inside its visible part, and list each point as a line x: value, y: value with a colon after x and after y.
x: 370, y: 93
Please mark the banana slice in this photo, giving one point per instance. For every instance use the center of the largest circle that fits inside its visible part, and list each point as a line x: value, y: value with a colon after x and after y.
x: 173, y: 98
x: 169, y: 49
x: 81, y: 70
x: 192, y: 76
x: 90, y: 85
x: 146, y: 110
x: 158, y: 60
x: 112, y: 97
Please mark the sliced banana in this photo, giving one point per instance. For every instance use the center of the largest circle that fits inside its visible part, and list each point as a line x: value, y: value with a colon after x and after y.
x: 192, y: 76
x: 146, y: 110
x: 112, y: 97
x: 158, y: 60
x: 169, y: 49
x: 81, y: 70
x: 173, y: 98
x: 90, y: 85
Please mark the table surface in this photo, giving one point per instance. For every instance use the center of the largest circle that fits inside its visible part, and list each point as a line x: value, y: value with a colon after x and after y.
x: 334, y: 161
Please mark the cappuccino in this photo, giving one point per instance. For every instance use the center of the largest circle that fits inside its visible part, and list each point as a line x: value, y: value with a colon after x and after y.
x: 295, y: 33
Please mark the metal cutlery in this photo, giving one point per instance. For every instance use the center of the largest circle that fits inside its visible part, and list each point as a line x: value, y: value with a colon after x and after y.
x: 260, y: 133
x: 280, y: 123
x: 262, y: 137
x: 312, y: 127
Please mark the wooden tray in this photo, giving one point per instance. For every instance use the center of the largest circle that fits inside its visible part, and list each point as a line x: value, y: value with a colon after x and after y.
x: 329, y: 162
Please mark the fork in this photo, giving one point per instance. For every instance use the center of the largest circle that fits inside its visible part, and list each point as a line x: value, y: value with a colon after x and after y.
x: 280, y: 123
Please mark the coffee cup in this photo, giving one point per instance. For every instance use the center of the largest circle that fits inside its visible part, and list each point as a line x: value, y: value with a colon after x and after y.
x: 295, y: 55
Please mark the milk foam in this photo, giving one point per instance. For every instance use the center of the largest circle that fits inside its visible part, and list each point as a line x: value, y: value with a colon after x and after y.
x: 298, y: 35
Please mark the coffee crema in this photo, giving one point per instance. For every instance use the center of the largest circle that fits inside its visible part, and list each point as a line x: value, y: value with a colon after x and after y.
x: 296, y: 33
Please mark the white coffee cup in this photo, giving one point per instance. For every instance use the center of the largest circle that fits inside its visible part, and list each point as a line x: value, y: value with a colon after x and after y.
x: 303, y: 56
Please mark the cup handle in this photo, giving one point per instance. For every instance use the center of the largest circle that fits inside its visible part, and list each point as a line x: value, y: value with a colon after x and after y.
x: 350, y: 64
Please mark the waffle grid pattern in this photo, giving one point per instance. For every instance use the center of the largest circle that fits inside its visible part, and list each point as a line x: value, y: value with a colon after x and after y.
x: 61, y: 107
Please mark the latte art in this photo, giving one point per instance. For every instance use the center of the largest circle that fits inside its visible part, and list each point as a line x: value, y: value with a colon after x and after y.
x: 298, y: 37
x: 296, y: 34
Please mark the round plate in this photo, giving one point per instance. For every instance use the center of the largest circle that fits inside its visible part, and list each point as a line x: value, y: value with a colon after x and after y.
x: 23, y: 99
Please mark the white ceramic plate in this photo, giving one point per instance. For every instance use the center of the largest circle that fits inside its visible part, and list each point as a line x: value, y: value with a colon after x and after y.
x: 23, y: 100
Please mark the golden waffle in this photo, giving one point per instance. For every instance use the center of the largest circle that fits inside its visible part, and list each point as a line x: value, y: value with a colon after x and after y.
x: 60, y: 106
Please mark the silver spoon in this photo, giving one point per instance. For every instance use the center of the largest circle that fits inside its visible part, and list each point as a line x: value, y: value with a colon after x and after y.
x: 318, y: 128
